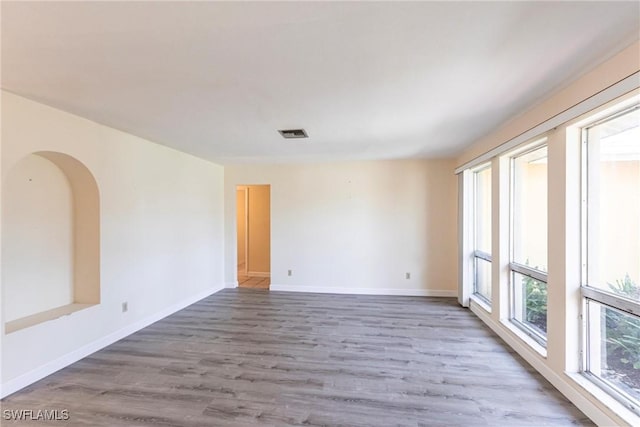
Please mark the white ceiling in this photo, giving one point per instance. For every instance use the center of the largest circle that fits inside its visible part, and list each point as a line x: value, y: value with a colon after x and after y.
x: 366, y: 80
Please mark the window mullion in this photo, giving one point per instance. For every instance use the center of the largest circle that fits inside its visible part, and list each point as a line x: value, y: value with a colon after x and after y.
x: 621, y: 303
x: 482, y: 255
x: 528, y: 271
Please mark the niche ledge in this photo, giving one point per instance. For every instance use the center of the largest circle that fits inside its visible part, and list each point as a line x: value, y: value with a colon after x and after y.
x: 43, y: 316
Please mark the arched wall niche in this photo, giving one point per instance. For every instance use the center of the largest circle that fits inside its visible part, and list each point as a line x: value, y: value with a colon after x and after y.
x: 50, y: 239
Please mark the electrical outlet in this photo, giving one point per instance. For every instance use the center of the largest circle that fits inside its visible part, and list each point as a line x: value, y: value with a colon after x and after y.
x: 407, y: 276
x: 289, y: 272
x: 125, y: 307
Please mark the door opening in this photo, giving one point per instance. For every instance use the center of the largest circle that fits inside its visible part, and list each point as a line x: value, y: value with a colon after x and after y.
x: 253, y: 209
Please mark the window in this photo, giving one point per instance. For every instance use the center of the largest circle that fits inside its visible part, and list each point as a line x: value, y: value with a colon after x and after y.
x: 482, y: 233
x: 611, y: 288
x: 528, y: 287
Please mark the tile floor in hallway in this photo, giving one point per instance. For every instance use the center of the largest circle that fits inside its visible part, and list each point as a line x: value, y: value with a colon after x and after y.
x: 245, y: 281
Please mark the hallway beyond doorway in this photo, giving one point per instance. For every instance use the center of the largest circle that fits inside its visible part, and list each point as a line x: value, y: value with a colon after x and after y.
x: 245, y: 281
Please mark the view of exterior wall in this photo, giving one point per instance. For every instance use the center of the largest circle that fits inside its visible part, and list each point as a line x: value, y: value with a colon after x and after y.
x: 619, y: 247
x: 613, y: 250
x: 531, y: 205
x: 528, y: 239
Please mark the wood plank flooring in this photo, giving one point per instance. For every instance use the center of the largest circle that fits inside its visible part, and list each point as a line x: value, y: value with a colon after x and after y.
x: 245, y: 281
x: 253, y: 282
x: 247, y: 357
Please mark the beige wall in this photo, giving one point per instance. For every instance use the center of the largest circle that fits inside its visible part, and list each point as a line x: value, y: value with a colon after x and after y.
x: 241, y: 222
x: 161, y: 227
x: 619, y: 204
x: 530, y: 238
x: 259, y: 229
x: 356, y: 226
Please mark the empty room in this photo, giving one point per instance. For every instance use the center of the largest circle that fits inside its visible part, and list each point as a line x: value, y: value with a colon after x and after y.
x: 320, y: 213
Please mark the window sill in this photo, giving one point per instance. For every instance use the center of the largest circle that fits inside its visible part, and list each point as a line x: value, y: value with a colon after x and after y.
x: 611, y: 403
x: 535, y: 345
x: 43, y: 316
x: 480, y: 303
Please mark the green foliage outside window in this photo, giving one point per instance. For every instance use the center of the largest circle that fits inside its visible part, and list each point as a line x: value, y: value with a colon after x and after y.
x: 623, y: 336
x: 535, y: 299
x: 622, y: 330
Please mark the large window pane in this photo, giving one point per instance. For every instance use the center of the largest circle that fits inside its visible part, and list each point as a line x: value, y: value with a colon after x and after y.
x: 483, y: 278
x: 482, y: 232
x: 614, y: 344
x: 483, y: 210
x: 530, y: 209
x: 530, y: 302
x: 529, y: 242
x: 613, y: 254
x: 613, y: 183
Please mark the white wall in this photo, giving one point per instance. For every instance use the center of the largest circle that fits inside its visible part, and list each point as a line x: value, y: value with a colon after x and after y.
x: 355, y: 227
x: 161, y: 233
x: 38, y: 238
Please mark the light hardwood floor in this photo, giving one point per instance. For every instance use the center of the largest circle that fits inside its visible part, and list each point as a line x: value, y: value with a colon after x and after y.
x: 245, y: 281
x: 247, y: 357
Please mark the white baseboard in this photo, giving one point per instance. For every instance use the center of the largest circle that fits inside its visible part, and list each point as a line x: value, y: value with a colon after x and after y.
x: 49, y: 368
x: 231, y: 285
x: 568, y: 389
x: 258, y: 274
x: 365, y: 291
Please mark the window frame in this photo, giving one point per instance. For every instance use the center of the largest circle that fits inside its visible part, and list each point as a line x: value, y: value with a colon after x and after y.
x: 516, y: 267
x: 591, y: 293
x: 477, y: 254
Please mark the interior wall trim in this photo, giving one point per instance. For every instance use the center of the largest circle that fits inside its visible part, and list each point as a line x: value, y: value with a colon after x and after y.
x: 365, y: 291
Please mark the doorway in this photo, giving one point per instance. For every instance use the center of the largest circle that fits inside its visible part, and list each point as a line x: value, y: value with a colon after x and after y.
x: 253, y: 209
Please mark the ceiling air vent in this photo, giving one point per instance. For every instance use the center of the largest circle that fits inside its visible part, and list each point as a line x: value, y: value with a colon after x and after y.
x: 293, y: 133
